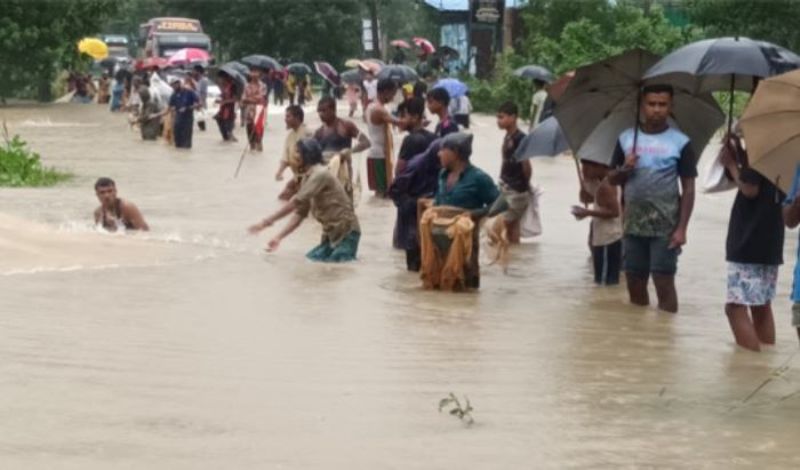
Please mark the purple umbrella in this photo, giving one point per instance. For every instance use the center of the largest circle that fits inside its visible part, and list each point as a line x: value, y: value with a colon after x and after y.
x: 328, y: 73
x: 455, y: 88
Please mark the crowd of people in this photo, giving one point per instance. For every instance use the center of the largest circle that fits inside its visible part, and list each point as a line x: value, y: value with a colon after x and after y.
x: 640, y: 205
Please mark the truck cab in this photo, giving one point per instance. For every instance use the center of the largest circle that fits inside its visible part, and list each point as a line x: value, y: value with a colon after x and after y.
x: 162, y: 37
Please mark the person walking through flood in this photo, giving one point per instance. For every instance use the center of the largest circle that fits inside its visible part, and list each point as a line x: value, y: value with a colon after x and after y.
x: 606, y: 232
x: 291, y: 155
x: 411, y: 186
x: 659, y: 191
x: 322, y: 196
x: 754, y: 249
x: 335, y: 136
x: 515, y: 175
x: 447, y: 231
x: 226, y: 115
x: 116, y: 214
x: 149, y: 118
x: 379, y: 122
x: 182, y: 104
x: 199, y: 76
x: 255, y: 95
x: 791, y: 218
x: 104, y: 89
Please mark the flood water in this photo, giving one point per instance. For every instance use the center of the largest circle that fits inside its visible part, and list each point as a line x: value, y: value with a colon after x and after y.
x: 190, y: 348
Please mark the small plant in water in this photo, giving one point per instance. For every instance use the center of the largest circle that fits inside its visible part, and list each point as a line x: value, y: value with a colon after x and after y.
x: 19, y: 166
x: 464, y: 413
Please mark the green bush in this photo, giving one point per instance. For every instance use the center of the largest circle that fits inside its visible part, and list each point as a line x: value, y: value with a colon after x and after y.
x: 487, y: 95
x: 19, y: 166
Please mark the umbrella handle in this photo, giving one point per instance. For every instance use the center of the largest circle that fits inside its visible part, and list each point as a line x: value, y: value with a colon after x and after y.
x: 730, y: 105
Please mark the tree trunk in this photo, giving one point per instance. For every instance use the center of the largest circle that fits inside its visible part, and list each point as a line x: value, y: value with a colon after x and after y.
x: 376, y: 37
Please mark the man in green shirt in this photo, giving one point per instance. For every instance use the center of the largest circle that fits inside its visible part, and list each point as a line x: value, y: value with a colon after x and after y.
x: 462, y: 184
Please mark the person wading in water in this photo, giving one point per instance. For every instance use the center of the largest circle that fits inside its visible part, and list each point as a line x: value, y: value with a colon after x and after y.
x: 114, y: 213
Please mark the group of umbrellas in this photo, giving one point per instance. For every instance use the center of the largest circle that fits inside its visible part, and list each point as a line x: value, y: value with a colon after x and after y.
x: 601, y: 100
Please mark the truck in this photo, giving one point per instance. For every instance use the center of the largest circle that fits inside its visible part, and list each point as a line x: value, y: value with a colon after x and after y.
x: 117, y: 45
x: 162, y: 37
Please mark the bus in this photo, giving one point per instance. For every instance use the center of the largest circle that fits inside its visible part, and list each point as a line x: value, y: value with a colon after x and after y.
x: 162, y: 37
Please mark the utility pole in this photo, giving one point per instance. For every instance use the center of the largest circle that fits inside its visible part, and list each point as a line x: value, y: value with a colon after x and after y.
x: 376, y: 35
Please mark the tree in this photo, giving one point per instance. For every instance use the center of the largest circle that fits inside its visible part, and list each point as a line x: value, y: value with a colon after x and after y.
x: 769, y: 20
x: 606, y: 30
x: 36, y: 38
x: 295, y: 30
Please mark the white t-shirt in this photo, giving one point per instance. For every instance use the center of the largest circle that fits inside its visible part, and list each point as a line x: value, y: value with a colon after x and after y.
x: 371, y: 87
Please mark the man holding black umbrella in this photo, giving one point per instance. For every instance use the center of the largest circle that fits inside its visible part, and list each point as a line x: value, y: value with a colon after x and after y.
x: 657, y: 165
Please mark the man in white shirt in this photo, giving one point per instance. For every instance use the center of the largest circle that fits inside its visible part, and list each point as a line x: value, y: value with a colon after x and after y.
x: 370, y: 94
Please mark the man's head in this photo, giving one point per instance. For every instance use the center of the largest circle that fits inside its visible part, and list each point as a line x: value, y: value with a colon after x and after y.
x: 106, y: 191
x: 657, y: 104
x: 538, y: 84
x: 198, y: 70
x: 438, y: 100
x: 412, y: 113
x: 176, y: 84
x: 310, y: 152
x: 370, y: 76
x: 455, y: 149
x: 255, y: 74
x: 387, y: 89
x: 507, y: 115
x: 326, y: 108
x: 294, y: 116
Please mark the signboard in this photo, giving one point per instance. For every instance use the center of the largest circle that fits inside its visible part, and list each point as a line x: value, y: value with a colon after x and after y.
x: 177, y: 26
x: 366, y: 35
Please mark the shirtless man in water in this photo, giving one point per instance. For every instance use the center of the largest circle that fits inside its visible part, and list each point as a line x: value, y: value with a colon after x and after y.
x: 114, y: 213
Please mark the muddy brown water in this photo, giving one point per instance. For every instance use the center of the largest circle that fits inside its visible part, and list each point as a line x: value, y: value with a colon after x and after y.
x: 190, y: 348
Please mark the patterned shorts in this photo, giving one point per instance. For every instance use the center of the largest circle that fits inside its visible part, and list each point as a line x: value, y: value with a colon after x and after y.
x: 751, y: 284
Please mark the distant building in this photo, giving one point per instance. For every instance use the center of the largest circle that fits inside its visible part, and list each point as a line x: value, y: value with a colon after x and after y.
x: 478, y: 30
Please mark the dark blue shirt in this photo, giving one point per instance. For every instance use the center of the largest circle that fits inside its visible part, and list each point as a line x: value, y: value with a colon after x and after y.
x: 183, y: 101
x: 473, y: 190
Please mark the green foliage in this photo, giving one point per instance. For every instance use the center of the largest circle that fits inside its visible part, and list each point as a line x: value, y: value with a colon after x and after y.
x: 464, y: 413
x: 38, y: 37
x: 609, y: 30
x: 563, y: 35
x: 19, y: 166
x: 771, y: 20
x: 487, y: 95
x: 295, y: 30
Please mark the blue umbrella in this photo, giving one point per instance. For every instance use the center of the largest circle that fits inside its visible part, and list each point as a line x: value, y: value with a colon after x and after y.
x: 546, y: 140
x: 455, y: 88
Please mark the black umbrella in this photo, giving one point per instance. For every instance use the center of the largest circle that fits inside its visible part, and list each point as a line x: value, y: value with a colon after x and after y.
x: 547, y: 140
x: 261, y: 61
x: 535, y: 72
x: 602, y: 100
x: 352, y: 77
x: 299, y: 68
x: 239, y: 67
x: 721, y: 64
x: 398, y: 73
x: 447, y: 53
x: 239, y: 79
